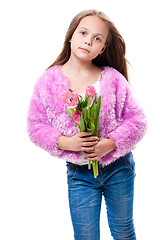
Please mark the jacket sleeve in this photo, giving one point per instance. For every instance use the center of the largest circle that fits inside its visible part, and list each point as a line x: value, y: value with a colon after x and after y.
x: 132, y: 123
x: 40, y: 129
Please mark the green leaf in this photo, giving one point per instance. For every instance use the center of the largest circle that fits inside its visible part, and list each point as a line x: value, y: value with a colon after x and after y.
x: 70, y: 114
x: 88, y: 112
x: 85, y: 123
x: 92, y: 110
x: 82, y: 126
x: 80, y: 105
x: 96, y: 119
x: 98, y: 103
x: 72, y: 110
x: 70, y: 90
x: 84, y: 111
x: 92, y: 127
x: 87, y: 101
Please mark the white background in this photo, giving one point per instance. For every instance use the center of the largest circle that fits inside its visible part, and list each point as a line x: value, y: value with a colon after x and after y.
x: 33, y: 187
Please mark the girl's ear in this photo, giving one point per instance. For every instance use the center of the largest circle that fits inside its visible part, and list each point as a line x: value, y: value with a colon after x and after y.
x: 102, y: 50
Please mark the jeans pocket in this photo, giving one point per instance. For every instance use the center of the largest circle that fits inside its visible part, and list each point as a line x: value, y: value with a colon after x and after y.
x: 71, y: 172
x: 129, y: 162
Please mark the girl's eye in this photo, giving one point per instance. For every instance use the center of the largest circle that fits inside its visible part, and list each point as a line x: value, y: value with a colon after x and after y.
x: 97, y: 39
x: 83, y: 33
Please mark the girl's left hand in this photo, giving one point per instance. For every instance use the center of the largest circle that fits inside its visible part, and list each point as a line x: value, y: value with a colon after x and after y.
x: 103, y: 147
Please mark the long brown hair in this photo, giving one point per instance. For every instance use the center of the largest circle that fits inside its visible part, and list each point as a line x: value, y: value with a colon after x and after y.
x: 114, y: 53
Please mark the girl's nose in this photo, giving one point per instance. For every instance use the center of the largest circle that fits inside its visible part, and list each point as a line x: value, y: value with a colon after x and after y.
x: 88, y: 41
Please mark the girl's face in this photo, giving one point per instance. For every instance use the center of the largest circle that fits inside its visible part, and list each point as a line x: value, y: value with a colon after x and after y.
x: 88, y: 40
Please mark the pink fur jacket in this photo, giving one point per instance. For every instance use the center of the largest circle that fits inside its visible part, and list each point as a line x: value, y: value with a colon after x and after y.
x: 121, y: 118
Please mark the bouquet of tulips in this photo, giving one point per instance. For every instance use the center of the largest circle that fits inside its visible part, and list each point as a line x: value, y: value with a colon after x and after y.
x: 85, y: 112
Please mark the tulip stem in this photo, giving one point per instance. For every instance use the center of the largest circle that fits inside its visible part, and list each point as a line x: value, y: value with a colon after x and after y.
x: 95, y: 167
x: 89, y: 164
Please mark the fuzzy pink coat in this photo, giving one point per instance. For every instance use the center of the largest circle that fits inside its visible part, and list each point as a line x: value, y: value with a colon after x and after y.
x: 121, y: 118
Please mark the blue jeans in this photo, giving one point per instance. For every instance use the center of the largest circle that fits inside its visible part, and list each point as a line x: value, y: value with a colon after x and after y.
x: 116, y: 183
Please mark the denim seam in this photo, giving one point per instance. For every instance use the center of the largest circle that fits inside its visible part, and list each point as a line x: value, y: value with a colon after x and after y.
x: 75, y: 172
x: 101, y: 174
x: 129, y: 166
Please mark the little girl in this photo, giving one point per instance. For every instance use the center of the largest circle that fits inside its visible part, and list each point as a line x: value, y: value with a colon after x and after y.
x: 93, y: 55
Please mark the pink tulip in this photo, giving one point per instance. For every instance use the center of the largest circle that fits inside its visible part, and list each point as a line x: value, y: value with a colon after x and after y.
x: 76, y: 116
x: 70, y: 99
x: 90, y: 91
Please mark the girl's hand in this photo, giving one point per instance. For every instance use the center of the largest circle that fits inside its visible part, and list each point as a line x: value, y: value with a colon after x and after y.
x: 103, y: 147
x: 82, y: 141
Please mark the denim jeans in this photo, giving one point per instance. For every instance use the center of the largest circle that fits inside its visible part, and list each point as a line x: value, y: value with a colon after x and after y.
x: 116, y: 183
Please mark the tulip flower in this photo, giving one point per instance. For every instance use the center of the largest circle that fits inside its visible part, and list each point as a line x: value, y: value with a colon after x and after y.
x: 90, y: 91
x: 70, y: 99
x: 76, y: 116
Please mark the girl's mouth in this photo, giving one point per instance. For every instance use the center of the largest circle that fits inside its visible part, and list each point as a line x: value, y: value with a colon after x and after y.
x: 84, y: 50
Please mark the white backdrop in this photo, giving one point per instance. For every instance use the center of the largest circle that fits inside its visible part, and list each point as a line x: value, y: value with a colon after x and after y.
x: 33, y: 188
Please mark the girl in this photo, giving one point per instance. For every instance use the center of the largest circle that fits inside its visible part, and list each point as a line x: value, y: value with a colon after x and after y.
x: 93, y: 55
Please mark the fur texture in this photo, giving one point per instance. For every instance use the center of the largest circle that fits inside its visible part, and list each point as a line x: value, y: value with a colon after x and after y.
x: 121, y: 118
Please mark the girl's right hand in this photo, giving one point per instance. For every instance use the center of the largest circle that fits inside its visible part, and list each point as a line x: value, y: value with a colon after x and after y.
x: 82, y: 141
